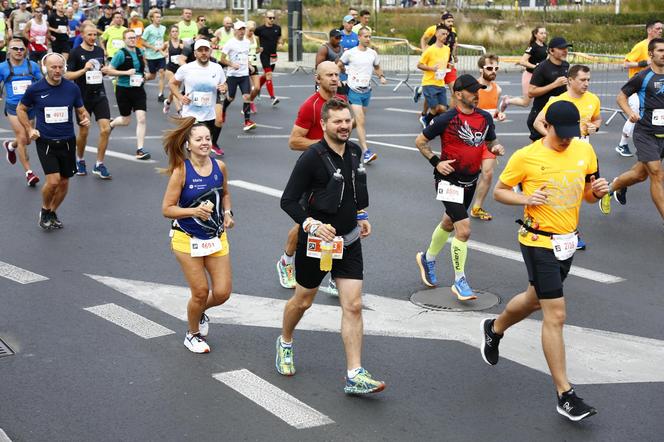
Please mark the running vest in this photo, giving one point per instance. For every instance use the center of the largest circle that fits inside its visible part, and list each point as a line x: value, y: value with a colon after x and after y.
x: 488, y: 99
x: 129, y: 61
x: 38, y: 32
x: 331, y: 54
x: 197, y: 189
x: 29, y: 75
x: 173, y: 51
x: 253, y: 47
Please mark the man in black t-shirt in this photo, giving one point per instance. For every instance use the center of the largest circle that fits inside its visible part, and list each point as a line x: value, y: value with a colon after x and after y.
x: 58, y: 24
x: 270, y: 38
x: 106, y: 19
x: 549, y: 80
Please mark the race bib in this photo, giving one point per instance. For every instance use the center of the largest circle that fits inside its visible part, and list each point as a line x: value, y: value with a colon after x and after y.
x: 360, y: 80
x: 93, y: 77
x: 21, y: 26
x: 658, y: 117
x: 135, y: 80
x: 313, y: 247
x: 62, y: 29
x: 440, y: 74
x: 175, y: 59
x: 138, y: 32
x: 58, y: 114
x: 117, y: 44
x: 40, y: 39
x: 449, y: 192
x: 201, y: 98
x: 204, y: 247
x: 241, y: 59
x: 19, y: 87
x: 72, y: 34
x: 187, y: 40
x: 564, y: 246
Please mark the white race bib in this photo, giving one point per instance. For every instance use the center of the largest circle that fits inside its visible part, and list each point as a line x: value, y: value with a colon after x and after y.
x: 58, y: 114
x: 658, y: 117
x: 449, y: 192
x: 72, y: 34
x: 20, y: 86
x: 360, y: 80
x: 201, y: 98
x: 175, y: 59
x: 564, y: 246
x: 21, y: 26
x: 138, y: 31
x: 241, y: 59
x: 62, y: 29
x: 313, y: 247
x: 40, y: 39
x: 93, y: 77
x: 187, y: 40
x: 440, y: 74
x: 135, y: 80
x: 204, y: 247
x: 117, y: 44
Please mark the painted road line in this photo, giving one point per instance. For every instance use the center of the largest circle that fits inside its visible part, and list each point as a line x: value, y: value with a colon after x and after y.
x: 19, y: 275
x: 147, y: 137
x: 396, y: 146
x: 408, y: 111
x: 129, y: 320
x: 390, y: 97
x: 267, y: 97
x: 4, y: 437
x: 264, y: 136
x: 281, y: 404
x: 256, y: 188
x: 594, y: 356
x: 122, y: 156
x: 267, y: 126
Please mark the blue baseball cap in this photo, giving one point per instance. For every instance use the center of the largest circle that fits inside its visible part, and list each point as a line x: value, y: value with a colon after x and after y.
x: 348, y: 18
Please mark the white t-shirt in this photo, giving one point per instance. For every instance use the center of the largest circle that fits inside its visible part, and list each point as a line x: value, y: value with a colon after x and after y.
x: 237, y: 52
x: 200, y: 85
x: 359, y: 67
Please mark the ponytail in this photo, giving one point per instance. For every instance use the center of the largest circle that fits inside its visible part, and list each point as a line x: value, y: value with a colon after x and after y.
x: 174, y: 143
x: 533, y: 34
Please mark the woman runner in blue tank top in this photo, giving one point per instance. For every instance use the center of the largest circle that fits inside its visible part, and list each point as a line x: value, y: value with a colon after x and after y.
x: 198, y: 202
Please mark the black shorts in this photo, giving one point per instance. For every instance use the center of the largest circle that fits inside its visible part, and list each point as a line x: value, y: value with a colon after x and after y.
x: 545, y: 273
x: 57, y: 156
x: 457, y: 211
x: 155, y: 66
x: 3, y: 56
x: 98, y: 105
x: 307, y: 270
x: 172, y: 67
x: 648, y: 146
x: 530, y: 122
x: 234, y: 82
x: 130, y: 99
x: 265, y: 62
x: 61, y: 47
x: 37, y: 56
x: 255, y: 72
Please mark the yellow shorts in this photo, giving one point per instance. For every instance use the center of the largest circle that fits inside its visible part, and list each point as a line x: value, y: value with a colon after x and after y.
x: 180, y: 242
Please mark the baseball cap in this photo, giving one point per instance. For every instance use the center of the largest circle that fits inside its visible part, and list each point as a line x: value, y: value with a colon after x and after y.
x: 23, y: 2
x: 239, y: 25
x: 446, y: 15
x: 559, y: 43
x: 205, y: 31
x: 565, y: 119
x: 348, y: 18
x: 335, y: 33
x: 133, y: 14
x: 467, y: 82
x: 201, y: 43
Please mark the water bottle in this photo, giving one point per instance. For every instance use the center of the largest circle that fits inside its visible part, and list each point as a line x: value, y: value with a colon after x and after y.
x: 325, y: 256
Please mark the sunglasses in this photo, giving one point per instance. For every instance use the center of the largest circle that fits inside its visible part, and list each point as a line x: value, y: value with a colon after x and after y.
x: 270, y: 18
x: 491, y: 68
x: 17, y: 49
x: 201, y: 19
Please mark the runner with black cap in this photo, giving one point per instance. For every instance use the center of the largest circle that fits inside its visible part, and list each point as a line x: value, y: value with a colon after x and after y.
x: 556, y: 173
x: 465, y: 133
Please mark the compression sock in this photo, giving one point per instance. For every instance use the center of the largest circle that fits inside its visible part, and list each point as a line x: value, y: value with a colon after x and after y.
x: 226, y: 104
x: 459, y: 251
x: 246, y: 108
x: 216, y: 131
x: 624, y: 139
x: 262, y: 81
x: 270, y: 87
x: 438, y: 240
x: 428, y: 117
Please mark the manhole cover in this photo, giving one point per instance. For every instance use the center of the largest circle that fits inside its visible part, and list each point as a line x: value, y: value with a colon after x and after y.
x: 442, y: 298
x: 5, y: 350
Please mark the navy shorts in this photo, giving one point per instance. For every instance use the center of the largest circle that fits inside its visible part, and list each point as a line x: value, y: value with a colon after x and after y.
x: 10, y: 109
x: 156, y: 65
x: 234, y: 82
x: 435, y: 95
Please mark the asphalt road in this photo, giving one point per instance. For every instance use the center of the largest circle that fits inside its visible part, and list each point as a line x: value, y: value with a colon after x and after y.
x: 79, y: 377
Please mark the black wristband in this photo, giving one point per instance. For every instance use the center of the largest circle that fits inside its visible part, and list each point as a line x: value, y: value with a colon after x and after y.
x: 643, y: 63
x: 598, y: 197
x: 434, y: 160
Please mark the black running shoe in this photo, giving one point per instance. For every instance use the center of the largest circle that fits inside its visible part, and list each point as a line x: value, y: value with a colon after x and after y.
x: 490, y: 342
x: 45, y: 219
x: 621, y: 195
x: 573, y: 408
x: 55, y: 222
x: 161, y: 98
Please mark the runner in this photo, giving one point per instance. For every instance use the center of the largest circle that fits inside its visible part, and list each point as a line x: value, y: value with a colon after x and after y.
x: 16, y: 75
x: 79, y: 14
x: 106, y: 19
x: 536, y: 52
x: 636, y: 61
x: 113, y: 36
x: 434, y: 63
x: 464, y: 132
x: 58, y: 25
x: 38, y: 34
x: 203, y: 80
x: 86, y: 67
x: 153, y: 40
x: 129, y: 65
x: 74, y: 27
x: 237, y: 53
x: 488, y: 101
x: 331, y: 50
x: 311, y: 174
x: 201, y: 21
x: 349, y: 40
x: 359, y: 63
x: 222, y: 35
x: 136, y: 24
x: 19, y: 18
x: 270, y: 39
x: 198, y: 202
x: 365, y: 16
x: 254, y: 50
x: 648, y: 130
x: 53, y: 100
x: 556, y: 173
x: 175, y: 60
x: 187, y: 28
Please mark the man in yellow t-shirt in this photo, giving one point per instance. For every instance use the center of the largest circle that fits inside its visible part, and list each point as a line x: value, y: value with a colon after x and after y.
x: 556, y: 173
x: 636, y: 61
x: 588, y: 104
x: 113, y: 37
x: 434, y: 64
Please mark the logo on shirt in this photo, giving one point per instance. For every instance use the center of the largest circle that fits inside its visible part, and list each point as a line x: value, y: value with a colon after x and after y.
x: 469, y: 135
x: 659, y: 85
x: 44, y: 96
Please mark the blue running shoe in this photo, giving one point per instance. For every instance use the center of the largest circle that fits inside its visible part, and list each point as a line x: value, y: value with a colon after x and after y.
x: 621, y: 196
x: 369, y: 156
x: 623, y: 150
x: 427, y: 270
x: 462, y: 290
x: 80, y: 168
x: 417, y: 94
x: 423, y: 122
x: 581, y: 245
x: 142, y: 154
x: 363, y: 383
x: 101, y: 172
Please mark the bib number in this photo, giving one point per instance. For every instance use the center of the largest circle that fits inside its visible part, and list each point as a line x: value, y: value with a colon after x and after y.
x: 21, y: 26
x: 117, y: 44
x: 658, y: 117
x: 62, y: 29
x: 58, y: 114
x: 201, y: 98
x: 204, y: 247
x: 93, y: 77
x: 313, y: 247
x: 175, y: 59
x: 40, y: 39
x: 158, y: 45
x: 138, y: 31
x: 564, y: 246
x: 19, y: 87
x: 440, y: 74
x: 135, y: 80
x: 360, y: 80
x: 449, y: 192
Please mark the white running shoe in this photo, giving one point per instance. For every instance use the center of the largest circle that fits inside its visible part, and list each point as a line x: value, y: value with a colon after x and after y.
x: 196, y: 343
x: 203, y: 325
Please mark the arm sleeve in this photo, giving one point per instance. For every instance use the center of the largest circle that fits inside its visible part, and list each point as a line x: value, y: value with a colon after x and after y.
x: 633, y: 84
x: 424, y: 59
x: 345, y: 57
x: 512, y: 174
x: 298, y: 183
x: 71, y: 63
x: 376, y: 59
x: 598, y: 107
x: 593, y: 164
x: 28, y: 99
x: 635, y: 54
x: 491, y: 133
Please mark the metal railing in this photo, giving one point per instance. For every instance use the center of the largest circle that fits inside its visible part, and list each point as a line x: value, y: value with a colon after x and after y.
x: 468, y: 56
x: 394, y: 57
x: 310, y: 41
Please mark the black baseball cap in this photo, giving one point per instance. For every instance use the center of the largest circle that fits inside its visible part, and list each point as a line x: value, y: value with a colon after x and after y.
x: 559, y: 43
x: 335, y: 33
x: 565, y: 119
x: 467, y: 82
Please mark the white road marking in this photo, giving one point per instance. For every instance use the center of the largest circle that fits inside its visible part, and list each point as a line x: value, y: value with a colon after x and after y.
x: 391, y: 97
x: 267, y: 126
x: 280, y: 97
x: 396, y: 146
x: 19, y: 275
x: 594, y: 356
x: 264, y: 136
x: 122, y: 156
x: 129, y: 320
x: 408, y: 111
x: 4, y: 437
x: 5, y: 130
x: 256, y: 188
x: 281, y: 404
x: 147, y: 137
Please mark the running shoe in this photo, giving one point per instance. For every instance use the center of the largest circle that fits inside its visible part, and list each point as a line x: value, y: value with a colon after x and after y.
x: 161, y: 98
x: 55, y: 222
x: 275, y: 101
x: 623, y: 150
x: 478, y: 212
x: 427, y: 270
x: 167, y: 107
x: 284, y: 362
x: 423, y: 122
x: 45, y: 219
x: 417, y: 93
x: 363, y: 383
x: 605, y: 204
x: 249, y: 125
x: 31, y: 178
x: 11, y: 153
x: 621, y: 196
x: 142, y: 154
x: 217, y: 150
x: 195, y: 343
x: 581, y: 245
x: 286, y: 273
x: 490, y: 342
x: 204, y: 325
x: 102, y: 172
x: 462, y: 290
x: 369, y: 156
x: 81, y: 169
x: 504, y: 102
x: 572, y: 407
x: 252, y: 108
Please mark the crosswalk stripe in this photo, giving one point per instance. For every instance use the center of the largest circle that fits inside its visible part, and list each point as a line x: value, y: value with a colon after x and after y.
x: 129, y: 320
x: 19, y: 275
x: 4, y: 437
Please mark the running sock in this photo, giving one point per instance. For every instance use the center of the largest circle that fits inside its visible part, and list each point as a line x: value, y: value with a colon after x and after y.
x: 262, y: 81
x: 12, y: 146
x: 428, y: 117
x: 286, y: 260
x: 216, y: 131
x: 79, y: 158
x: 352, y: 373
x: 97, y: 163
x: 270, y: 88
x: 438, y: 240
x: 246, y: 108
x: 285, y: 344
x: 624, y: 139
x: 226, y: 104
x: 459, y: 251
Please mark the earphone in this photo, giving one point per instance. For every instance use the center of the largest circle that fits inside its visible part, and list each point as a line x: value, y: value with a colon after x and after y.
x: 62, y: 57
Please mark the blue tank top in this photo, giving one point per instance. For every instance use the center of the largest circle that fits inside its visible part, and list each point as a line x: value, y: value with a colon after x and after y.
x: 197, y: 189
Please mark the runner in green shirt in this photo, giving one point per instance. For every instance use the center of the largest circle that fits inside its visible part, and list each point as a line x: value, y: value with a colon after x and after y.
x: 188, y: 29
x: 112, y: 36
x: 153, y: 41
